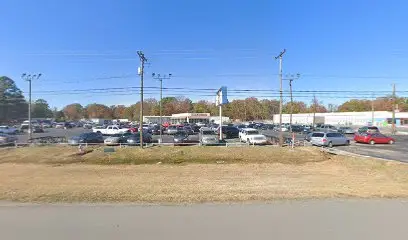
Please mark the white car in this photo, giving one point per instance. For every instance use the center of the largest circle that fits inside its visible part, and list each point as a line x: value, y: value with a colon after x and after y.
x: 111, y: 129
x: 252, y: 136
x: 8, y: 130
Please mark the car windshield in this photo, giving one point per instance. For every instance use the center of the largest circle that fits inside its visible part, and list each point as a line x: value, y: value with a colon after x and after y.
x: 208, y: 133
x: 252, y: 132
x: 84, y: 135
x: 181, y: 134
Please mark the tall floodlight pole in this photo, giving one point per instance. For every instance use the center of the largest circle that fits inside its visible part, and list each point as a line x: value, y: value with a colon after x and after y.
x: 160, y: 78
x: 280, y: 96
x: 29, y: 79
x: 141, y: 73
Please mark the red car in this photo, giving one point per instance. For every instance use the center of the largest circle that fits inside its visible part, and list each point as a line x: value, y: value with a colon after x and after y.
x: 373, y: 138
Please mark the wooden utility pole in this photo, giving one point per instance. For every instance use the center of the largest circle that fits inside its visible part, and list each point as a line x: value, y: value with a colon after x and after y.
x: 280, y: 56
x: 141, y: 73
x: 394, y: 100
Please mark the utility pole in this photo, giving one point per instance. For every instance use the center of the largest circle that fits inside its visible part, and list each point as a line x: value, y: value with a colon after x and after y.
x: 29, y: 78
x: 291, y: 78
x: 314, y: 110
x: 393, y: 108
x: 160, y: 78
x: 372, y: 110
x: 280, y: 96
x: 141, y: 73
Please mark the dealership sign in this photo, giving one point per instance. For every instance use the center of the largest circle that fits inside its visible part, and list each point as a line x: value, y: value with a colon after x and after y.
x: 221, y: 97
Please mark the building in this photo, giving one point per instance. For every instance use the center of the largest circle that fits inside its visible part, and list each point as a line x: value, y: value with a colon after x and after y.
x: 185, y: 117
x: 156, y: 119
x: 381, y: 118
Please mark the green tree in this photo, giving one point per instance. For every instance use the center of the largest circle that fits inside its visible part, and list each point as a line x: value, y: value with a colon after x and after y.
x: 96, y: 110
x: 41, y: 109
x: 12, y: 103
x: 355, y: 105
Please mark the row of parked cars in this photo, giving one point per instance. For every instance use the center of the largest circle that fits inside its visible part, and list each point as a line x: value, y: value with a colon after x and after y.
x: 368, y: 134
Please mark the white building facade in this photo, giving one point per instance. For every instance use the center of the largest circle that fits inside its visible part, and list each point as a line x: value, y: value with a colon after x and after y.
x: 381, y: 118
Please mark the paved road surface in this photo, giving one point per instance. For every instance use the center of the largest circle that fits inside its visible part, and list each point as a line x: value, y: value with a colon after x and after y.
x: 307, y: 220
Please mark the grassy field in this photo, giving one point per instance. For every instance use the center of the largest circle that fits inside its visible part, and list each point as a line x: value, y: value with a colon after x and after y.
x: 191, y: 175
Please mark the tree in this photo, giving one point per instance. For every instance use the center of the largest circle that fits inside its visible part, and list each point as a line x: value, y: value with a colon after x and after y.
x: 202, y: 106
x: 41, y: 109
x: 355, y: 105
x: 12, y: 103
x: 118, y: 112
x: 317, y: 106
x: 98, y: 111
x: 298, y: 107
x: 58, y: 115
x: 73, y: 111
x: 332, y: 107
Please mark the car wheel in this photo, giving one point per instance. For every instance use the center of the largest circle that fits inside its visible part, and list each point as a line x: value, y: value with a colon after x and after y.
x: 391, y: 142
x: 347, y: 142
x: 372, y: 142
x: 330, y: 145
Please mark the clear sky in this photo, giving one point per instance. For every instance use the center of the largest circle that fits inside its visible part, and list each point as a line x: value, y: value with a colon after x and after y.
x: 88, y: 44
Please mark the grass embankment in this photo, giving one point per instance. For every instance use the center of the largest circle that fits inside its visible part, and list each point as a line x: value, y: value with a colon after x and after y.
x: 165, y: 155
x: 248, y: 174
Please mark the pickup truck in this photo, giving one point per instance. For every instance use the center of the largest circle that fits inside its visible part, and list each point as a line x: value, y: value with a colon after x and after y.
x: 110, y: 130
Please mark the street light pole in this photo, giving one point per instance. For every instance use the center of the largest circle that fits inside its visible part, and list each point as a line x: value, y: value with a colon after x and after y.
x: 29, y: 78
x: 160, y: 78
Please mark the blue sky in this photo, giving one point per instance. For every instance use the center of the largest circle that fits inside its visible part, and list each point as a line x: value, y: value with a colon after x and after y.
x: 334, y: 45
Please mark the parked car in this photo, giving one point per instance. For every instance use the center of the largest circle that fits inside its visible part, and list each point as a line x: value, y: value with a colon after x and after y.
x: 173, y: 129
x: 155, y: 130
x: 267, y: 127
x: 111, y: 129
x: 228, y: 132
x: 36, y: 129
x: 329, y: 139
x: 91, y: 137
x: 327, y: 128
x: 346, y: 130
x: 188, y: 129
x: 116, y: 139
x: 368, y: 129
x: 134, y: 139
x: 180, y: 138
x: 8, y: 130
x: 196, y: 128
x: 208, y: 137
x: 308, y: 136
x: 252, y: 136
x: 60, y: 125
x: 87, y: 126
x: 296, y: 128
x: 373, y: 138
x: 6, y: 139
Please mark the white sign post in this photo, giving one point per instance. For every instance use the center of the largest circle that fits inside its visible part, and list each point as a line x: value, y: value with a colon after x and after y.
x: 221, y: 99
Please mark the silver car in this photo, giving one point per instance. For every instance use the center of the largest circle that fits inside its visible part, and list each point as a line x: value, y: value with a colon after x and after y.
x: 6, y: 139
x: 208, y: 137
x: 328, y: 139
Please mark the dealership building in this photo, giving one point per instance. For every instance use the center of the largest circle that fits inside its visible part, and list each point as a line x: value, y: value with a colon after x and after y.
x: 381, y: 118
x: 186, y: 117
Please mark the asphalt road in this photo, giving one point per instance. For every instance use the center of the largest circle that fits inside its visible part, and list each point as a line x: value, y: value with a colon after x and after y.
x: 398, y: 151
x: 308, y: 220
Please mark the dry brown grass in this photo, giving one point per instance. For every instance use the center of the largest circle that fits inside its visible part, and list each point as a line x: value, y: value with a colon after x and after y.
x: 166, y: 155
x: 189, y: 183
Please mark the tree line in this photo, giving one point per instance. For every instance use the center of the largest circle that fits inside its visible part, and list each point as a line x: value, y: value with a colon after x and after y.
x: 13, y: 106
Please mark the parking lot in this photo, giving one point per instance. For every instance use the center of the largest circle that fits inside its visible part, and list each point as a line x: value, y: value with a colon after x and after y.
x: 396, y: 151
